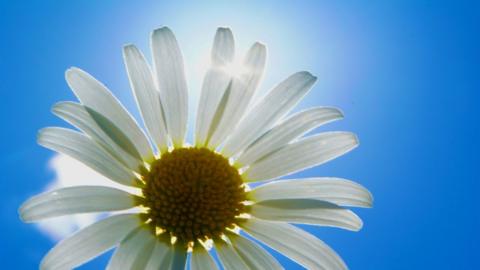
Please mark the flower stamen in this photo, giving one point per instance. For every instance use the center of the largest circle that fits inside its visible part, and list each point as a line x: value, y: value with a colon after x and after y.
x: 193, y: 193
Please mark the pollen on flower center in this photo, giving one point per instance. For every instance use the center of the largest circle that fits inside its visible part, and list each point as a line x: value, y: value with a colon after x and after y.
x: 193, y: 193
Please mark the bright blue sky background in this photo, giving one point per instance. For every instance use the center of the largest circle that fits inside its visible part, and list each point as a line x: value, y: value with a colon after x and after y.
x: 405, y: 73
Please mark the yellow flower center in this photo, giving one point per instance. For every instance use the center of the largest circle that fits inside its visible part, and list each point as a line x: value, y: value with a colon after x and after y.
x: 193, y: 193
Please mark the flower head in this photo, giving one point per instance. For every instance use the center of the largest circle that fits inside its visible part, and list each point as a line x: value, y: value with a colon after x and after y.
x: 191, y: 199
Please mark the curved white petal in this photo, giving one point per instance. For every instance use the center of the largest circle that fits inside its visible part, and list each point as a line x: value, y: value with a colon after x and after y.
x: 75, y: 200
x: 238, y: 96
x: 335, y: 190
x: 161, y: 256
x: 169, y: 70
x: 134, y: 251
x: 90, y: 242
x: 146, y: 95
x: 295, y: 243
x: 79, y: 117
x: 306, y: 153
x: 215, y: 84
x: 287, y: 131
x: 96, y: 96
x: 229, y: 257
x: 278, y: 102
x: 307, y: 211
x: 86, y: 151
x: 200, y: 259
x: 254, y: 255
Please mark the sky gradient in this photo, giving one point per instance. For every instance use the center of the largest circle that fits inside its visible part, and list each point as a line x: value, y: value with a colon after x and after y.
x: 404, y: 73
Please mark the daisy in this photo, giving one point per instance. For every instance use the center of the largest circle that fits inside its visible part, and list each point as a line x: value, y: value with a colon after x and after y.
x: 190, y: 200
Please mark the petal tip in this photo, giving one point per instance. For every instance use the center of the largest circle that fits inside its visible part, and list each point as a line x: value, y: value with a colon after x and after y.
x: 56, y: 108
x: 261, y: 47
x: 359, y: 225
x: 73, y: 74
x: 129, y: 51
x: 369, y: 204
x: 162, y: 30
x: 355, y: 139
x: 71, y: 71
x: 21, y: 212
x: 59, y: 106
x: 349, y: 138
x: 129, y: 47
x: 339, y: 113
x: 224, y: 29
x: 308, y: 76
x: 40, y: 134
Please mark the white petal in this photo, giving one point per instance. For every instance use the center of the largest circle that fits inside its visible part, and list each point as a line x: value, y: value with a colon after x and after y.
x: 179, y: 259
x: 168, y: 62
x: 200, y: 259
x: 238, y: 96
x: 223, y: 50
x: 306, y: 153
x: 90, y: 242
x: 95, y: 96
x: 229, y: 257
x: 278, y: 102
x: 134, y: 251
x: 146, y: 95
x: 307, y: 211
x: 287, y: 131
x: 215, y: 84
x: 254, y: 255
x: 86, y: 151
x: 336, y: 190
x: 161, y: 257
x: 295, y: 243
x: 75, y: 200
x: 78, y: 116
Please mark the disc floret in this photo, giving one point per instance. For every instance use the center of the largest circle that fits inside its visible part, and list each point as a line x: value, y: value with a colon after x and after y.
x: 193, y: 194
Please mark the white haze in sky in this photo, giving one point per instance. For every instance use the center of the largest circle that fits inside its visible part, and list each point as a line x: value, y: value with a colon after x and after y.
x: 70, y: 172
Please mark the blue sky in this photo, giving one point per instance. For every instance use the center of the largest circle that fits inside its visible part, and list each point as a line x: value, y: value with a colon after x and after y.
x: 405, y: 74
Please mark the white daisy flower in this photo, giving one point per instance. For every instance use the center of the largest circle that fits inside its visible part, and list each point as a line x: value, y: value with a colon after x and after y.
x: 191, y: 199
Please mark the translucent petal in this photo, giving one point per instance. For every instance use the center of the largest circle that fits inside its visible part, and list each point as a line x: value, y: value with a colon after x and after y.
x: 307, y: 211
x: 146, y: 95
x: 161, y: 256
x: 215, y: 84
x: 134, y: 251
x: 169, y: 70
x: 77, y: 115
x: 86, y: 151
x: 90, y: 242
x: 223, y: 50
x: 98, y: 98
x: 278, y: 102
x: 335, y: 190
x: 238, y: 96
x: 287, y: 131
x: 179, y: 259
x: 295, y: 243
x: 229, y: 257
x: 254, y: 255
x: 201, y: 259
x: 297, y: 156
x: 75, y: 200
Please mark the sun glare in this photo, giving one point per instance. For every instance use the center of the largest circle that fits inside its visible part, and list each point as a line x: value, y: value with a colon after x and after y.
x: 235, y: 69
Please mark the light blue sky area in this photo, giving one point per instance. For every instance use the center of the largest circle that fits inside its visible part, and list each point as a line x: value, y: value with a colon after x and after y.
x: 405, y: 74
